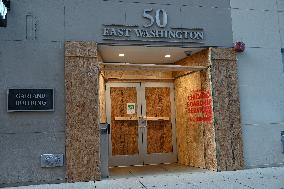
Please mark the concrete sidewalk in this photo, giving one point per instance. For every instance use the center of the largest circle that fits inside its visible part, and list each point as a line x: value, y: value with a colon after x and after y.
x: 261, y: 178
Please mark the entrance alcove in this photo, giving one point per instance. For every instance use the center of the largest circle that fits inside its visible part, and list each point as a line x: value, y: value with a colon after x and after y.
x: 204, y: 106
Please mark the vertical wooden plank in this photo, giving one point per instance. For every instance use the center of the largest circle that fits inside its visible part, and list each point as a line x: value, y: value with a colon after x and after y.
x: 102, y: 99
x: 129, y: 75
x: 159, y: 133
x: 124, y: 134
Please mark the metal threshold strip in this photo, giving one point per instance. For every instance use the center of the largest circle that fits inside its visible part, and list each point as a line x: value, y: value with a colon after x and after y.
x: 147, y: 67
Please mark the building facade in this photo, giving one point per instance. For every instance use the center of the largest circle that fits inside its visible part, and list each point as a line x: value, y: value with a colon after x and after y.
x: 164, y: 72
x: 260, y: 25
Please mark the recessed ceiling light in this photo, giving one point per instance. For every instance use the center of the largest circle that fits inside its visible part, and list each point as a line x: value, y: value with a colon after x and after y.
x: 167, y: 56
x: 120, y: 54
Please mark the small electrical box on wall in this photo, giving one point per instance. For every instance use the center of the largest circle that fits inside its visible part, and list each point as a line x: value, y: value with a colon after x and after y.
x: 51, y: 160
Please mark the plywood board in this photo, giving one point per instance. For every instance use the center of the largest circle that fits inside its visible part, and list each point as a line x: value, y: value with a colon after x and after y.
x: 142, y: 75
x: 157, y: 118
x: 201, y: 58
x: 195, y: 136
x: 124, y: 133
x: 102, y: 99
x: 126, y: 118
x: 159, y: 133
x: 186, y: 131
x: 148, y: 67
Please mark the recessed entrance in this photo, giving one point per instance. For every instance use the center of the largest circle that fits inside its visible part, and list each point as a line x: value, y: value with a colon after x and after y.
x: 160, y: 112
x: 145, y: 88
x: 142, y: 120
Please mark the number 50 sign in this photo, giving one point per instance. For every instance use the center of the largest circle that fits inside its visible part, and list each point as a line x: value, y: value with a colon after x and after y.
x: 160, y: 17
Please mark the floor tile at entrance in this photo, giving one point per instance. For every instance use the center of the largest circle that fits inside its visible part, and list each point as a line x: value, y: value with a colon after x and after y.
x: 160, y: 169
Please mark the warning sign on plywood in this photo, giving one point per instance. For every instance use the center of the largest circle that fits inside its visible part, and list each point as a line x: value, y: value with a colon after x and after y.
x: 199, y: 106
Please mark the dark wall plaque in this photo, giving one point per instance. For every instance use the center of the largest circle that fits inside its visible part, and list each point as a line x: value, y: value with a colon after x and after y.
x: 30, y: 100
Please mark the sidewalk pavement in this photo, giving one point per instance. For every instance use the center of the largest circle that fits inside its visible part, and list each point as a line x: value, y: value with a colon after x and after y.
x: 260, y: 178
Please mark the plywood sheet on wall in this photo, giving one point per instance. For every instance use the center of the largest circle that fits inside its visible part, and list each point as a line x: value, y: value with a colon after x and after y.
x: 195, y: 138
x: 102, y: 99
x: 82, y: 111
x: 201, y: 58
x: 124, y: 133
x: 159, y: 133
x: 186, y: 141
x: 128, y: 75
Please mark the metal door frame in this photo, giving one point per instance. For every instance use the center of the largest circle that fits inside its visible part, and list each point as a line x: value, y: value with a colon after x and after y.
x: 157, y: 158
x: 124, y: 160
x: 142, y: 157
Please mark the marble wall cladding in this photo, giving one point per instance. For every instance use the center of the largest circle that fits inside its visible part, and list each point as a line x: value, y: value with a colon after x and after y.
x: 195, y: 139
x: 82, y: 111
x: 226, y: 106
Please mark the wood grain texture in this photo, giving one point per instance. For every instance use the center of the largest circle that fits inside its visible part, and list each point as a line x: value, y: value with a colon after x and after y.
x: 102, y: 99
x: 129, y: 75
x: 201, y: 58
x: 124, y: 133
x: 195, y: 140
x: 227, y: 110
x: 159, y: 133
x: 82, y: 112
x: 148, y: 67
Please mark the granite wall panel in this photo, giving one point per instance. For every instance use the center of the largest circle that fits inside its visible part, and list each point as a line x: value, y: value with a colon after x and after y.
x: 226, y: 106
x: 82, y: 111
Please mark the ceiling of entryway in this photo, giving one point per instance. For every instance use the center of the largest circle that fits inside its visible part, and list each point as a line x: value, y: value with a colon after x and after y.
x: 144, y: 54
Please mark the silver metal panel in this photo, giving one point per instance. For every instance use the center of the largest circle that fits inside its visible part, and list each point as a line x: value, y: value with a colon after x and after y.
x: 51, y: 160
x: 104, y: 152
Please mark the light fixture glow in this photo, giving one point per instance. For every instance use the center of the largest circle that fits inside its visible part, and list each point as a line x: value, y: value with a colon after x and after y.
x: 121, y: 54
x: 167, y: 56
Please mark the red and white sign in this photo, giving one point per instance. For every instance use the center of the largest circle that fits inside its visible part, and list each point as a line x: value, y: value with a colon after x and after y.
x: 199, y: 106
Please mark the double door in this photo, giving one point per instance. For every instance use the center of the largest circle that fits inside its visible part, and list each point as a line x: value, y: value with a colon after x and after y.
x: 142, y: 122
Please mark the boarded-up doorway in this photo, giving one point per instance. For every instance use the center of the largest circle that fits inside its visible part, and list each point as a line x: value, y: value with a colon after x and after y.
x: 216, y: 145
x: 142, y: 123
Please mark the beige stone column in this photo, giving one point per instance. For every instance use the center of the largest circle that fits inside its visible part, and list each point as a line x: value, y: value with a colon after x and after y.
x: 82, y: 111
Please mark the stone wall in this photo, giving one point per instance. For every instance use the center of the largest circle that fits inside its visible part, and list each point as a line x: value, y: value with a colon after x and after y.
x: 226, y: 105
x: 82, y: 111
